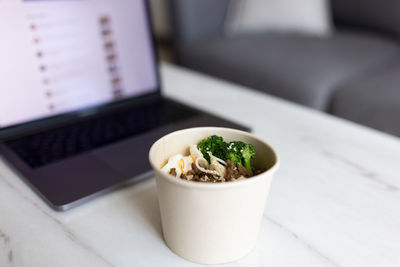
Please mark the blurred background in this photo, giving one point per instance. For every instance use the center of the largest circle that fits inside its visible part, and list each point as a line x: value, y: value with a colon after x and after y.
x: 339, y: 56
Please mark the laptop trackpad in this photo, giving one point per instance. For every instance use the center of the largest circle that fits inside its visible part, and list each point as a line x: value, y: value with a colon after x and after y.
x: 130, y: 157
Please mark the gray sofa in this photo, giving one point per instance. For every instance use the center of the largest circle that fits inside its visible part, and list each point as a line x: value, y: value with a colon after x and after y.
x: 354, y: 73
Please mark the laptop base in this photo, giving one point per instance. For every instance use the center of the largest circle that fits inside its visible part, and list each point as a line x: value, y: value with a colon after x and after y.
x: 67, y: 182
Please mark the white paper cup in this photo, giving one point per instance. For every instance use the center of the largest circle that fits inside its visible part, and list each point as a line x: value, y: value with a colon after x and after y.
x: 211, y: 223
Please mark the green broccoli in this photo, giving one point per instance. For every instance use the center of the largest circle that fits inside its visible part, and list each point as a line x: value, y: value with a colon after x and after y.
x: 248, y: 153
x: 235, y: 157
x: 215, y: 145
x: 233, y: 152
x: 238, y: 152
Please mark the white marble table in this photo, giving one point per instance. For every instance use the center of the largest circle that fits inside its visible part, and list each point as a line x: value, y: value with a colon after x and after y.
x: 334, y: 202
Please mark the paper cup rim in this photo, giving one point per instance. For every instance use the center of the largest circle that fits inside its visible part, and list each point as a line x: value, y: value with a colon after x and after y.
x: 204, y: 185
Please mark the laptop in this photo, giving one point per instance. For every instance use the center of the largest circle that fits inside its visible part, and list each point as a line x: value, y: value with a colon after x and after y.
x: 80, y: 97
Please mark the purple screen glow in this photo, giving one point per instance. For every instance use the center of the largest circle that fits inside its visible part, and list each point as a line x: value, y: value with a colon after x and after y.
x: 62, y: 56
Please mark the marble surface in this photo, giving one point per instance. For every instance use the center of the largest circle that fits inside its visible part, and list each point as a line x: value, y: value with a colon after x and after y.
x: 334, y: 202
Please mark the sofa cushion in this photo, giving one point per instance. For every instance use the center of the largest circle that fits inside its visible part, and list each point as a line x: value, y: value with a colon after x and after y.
x: 373, y: 100
x: 378, y: 15
x: 300, y: 68
x: 255, y: 16
x: 193, y: 20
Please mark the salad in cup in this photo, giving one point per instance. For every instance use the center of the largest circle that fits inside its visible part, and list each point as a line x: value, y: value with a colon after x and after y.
x: 211, y: 191
x: 213, y: 160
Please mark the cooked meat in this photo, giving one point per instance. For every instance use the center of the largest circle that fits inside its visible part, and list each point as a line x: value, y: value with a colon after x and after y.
x: 232, y: 173
x: 196, y: 170
x: 190, y: 172
x: 196, y: 178
x: 243, y: 171
x: 172, y: 171
x: 229, y: 170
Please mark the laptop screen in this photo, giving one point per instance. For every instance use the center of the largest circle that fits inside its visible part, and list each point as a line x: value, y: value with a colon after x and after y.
x: 63, y: 56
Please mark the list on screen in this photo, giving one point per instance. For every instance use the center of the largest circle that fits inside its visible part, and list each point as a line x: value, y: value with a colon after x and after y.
x: 62, y: 56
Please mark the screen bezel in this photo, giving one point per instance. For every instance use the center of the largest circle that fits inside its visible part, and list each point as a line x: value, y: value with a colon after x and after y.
x: 41, y: 124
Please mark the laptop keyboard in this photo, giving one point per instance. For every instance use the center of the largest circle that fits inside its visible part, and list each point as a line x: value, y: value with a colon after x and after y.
x: 53, y: 145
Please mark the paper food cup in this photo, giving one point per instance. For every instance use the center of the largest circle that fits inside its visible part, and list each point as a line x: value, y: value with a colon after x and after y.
x: 211, y: 223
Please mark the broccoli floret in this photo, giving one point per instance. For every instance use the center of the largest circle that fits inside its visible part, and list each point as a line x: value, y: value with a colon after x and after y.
x: 248, y: 153
x: 238, y: 152
x: 233, y: 152
x: 215, y: 145
x: 236, y: 158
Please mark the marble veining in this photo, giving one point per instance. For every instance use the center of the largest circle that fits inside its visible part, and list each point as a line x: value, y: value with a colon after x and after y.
x: 334, y: 201
x: 4, y: 237
x: 68, y: 233
x: 10, y: 256
x: 6, y: 242
x: 309, y: 246
x: 362, y: 170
